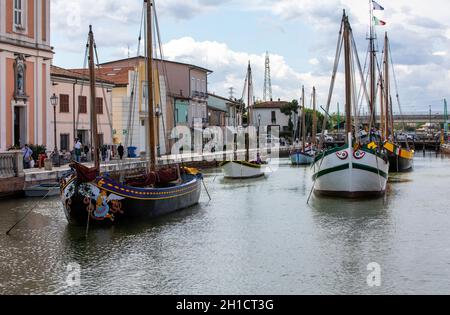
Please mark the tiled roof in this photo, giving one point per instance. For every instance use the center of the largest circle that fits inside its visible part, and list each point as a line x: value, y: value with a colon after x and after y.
x: 135, y: 60
x: 75, y: 74
x: 116, y: 75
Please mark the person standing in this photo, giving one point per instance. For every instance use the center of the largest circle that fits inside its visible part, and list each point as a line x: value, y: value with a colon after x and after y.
x: 121, y: 151
x: 78, y: 150
x: 27, y: 156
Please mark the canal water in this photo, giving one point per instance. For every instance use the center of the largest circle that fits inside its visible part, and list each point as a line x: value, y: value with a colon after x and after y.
x: 254, y: 237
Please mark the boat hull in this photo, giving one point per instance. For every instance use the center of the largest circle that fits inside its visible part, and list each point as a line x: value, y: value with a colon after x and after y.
x: 344, y: 172
x: 400, y: 160
x: 242, y: 170
x: 105, y: 202
x: 300, y: 158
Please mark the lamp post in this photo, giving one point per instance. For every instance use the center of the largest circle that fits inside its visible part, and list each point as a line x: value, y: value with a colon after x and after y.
x: 54, y: 102
x: 259, y: 129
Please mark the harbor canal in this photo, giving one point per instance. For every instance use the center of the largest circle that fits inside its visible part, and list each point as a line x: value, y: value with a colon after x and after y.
x: 254, y: 237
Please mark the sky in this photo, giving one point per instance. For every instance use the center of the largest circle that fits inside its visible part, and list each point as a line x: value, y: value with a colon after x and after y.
x: 300, y: 36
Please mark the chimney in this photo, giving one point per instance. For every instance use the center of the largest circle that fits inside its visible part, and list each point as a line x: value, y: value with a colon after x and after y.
x: 271, y: 99
x: 279, y: 100
x: 181, y: 92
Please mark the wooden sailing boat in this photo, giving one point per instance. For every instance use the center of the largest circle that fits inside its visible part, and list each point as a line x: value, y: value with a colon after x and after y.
x: 90, y: 197
x: 306, y: 153
x: 355, y: 169
x: 401, y: 159
x: 245, y: 169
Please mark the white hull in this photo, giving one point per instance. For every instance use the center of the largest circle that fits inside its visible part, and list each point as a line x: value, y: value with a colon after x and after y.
x: 347, y: 173
x: 242, y: 170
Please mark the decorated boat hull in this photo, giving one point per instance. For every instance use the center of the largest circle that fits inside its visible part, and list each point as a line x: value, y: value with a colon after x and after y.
x: 400, y: 160
x: 346, y: 172
x: 241, y: 170
x: 105, y: 202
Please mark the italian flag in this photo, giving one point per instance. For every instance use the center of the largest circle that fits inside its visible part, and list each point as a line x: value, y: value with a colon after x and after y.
x: 377, y: 21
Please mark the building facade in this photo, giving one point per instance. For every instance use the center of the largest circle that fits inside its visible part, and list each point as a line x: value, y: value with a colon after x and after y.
x: 268, y: 114
x: 181, y: 98
x: 25, y: 60
x: 73, y: 110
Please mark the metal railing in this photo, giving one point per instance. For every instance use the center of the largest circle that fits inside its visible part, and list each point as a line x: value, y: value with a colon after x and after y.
x: 11, y: 164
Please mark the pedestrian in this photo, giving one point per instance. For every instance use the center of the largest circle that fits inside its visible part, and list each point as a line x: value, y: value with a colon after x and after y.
x: 78, y: 150
x: 27, y: 156
x: 121, y: 151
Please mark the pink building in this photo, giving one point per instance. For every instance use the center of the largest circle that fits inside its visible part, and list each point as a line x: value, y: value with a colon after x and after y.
x: 73, y: 109
x: 25, y: 59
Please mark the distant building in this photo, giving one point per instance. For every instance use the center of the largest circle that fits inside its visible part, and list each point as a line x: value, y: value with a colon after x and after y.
x: 182, y: 101
x: 223, y: 112
x: 73, y: 114
x: 25, y: 59
x: 271, y: 115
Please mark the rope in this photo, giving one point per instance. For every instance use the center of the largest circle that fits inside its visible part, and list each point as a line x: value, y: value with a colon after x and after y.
x: 29, y: 212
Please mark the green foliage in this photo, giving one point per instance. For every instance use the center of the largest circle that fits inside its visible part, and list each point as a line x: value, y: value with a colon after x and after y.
x: 37, y: 149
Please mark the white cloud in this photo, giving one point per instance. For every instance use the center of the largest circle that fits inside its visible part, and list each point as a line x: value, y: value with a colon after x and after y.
x: 230, y: 68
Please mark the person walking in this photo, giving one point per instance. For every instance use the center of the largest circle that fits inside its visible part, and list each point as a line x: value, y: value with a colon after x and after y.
x: 121, y: 151
x: 78, y: 146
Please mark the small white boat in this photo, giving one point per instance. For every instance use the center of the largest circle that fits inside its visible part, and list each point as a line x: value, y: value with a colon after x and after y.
x: 43, y: 190
x: 242, y: 170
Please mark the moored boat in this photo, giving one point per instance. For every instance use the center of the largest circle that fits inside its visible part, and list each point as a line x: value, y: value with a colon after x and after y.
x: 91, y: 198
x: 242, y: 170
x: 357, y: 169
x: 351, y: 173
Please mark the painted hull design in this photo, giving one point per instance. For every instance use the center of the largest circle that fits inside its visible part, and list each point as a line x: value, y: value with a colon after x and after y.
x: 241, y: 170
x: 400, y: 160
x: 344, y: 172
x: 301, y: 158
x: 105, y: 202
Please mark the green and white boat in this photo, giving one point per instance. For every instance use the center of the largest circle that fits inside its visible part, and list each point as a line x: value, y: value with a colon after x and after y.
x: 356, y: 169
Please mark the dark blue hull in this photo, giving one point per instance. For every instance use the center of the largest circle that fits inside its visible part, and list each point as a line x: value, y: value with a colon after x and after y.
x: 105, y: 202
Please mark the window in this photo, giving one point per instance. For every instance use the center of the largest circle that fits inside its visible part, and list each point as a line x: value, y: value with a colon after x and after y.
x: 82, y: 104
x: 274, y: 117
x: 203, y: 86
x: 64, y: 142
x: 99, y: 105
x: 19, y: 14
x: 193, y: 85
x: 64, y: 103
x: 198, y: 86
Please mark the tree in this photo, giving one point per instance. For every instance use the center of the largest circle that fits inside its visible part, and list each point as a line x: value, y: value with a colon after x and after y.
x: 290, y: 109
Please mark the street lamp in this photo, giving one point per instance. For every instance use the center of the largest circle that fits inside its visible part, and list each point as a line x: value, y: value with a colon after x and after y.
x: 54, y: 102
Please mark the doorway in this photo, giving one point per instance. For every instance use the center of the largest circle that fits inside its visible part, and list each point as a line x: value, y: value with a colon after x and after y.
x: 20, y: 135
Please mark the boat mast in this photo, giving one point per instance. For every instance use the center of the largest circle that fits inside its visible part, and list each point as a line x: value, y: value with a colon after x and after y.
x: 372, y: 67
x: 92, y: 81
x: 151, y: 112
x: 303, y: 119
x: 314, y: 129
x: 250, y: 112
x: 348, y: 79
x: 386, y: 86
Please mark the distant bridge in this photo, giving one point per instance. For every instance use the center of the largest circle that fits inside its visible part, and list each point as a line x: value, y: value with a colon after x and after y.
x: 416, y: 118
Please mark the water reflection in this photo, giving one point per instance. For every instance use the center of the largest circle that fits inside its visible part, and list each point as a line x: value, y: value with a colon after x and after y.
x: 254, y: 237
